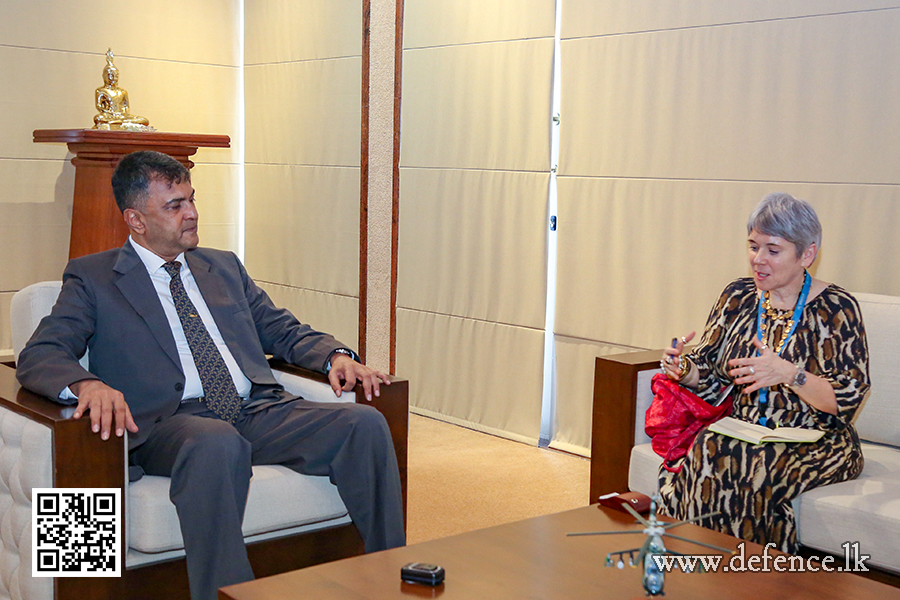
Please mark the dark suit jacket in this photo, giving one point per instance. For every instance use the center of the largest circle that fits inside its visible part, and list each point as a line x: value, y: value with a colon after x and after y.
x: 108, y: 305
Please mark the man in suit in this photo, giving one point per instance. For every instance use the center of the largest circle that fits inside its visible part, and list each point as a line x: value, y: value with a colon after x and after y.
x: 177, y: 337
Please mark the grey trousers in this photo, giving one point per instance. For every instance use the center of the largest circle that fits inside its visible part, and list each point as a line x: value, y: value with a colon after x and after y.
x: 209, y: 462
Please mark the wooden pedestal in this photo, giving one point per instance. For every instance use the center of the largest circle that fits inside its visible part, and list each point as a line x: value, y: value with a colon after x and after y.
x: 97, y: 224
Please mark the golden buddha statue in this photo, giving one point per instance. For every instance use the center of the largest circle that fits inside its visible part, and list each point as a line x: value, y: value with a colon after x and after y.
x: 112, y: 102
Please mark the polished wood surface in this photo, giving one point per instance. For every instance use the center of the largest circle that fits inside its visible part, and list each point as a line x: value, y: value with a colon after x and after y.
x: 97, y: 224
x: 612, y: 431
x: 82, y: 459
x: 129, y: 141
x: 535, y: 559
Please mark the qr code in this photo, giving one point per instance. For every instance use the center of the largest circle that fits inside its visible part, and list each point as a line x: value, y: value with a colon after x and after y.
x: 76, y: 532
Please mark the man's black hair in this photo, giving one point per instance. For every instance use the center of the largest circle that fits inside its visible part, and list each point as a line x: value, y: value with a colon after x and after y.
x: 132, y: 177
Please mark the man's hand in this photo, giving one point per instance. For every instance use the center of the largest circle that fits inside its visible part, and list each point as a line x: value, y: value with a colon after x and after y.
x: 344, y: 367
x: 105, y: 404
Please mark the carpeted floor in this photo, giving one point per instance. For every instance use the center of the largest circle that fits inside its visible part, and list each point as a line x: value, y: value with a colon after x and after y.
x: 461, y: 480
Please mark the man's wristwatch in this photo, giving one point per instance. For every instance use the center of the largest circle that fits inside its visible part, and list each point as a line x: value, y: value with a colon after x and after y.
x: 344, y: 351
x: 799, y: 378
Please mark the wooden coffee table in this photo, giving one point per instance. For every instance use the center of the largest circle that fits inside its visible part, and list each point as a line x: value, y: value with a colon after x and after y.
x: 534, y: 559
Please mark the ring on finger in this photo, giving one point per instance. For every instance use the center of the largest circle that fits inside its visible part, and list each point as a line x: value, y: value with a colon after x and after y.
x: 752, y: 371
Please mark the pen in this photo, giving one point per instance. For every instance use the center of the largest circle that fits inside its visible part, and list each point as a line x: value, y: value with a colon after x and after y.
x: 675, y: 345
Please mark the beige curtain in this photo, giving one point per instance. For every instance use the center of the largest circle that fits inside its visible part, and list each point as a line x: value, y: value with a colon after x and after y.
x: 677, y: 118
x: 474, y: 180
x: 302, y: 82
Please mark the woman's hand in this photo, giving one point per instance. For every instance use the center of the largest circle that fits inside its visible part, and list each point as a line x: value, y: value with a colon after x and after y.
x: 769, y: 369
x: 671, y: 359
x: 761, y: 371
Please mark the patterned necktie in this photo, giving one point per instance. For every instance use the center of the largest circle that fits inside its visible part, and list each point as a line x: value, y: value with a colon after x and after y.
x: 219, y: 392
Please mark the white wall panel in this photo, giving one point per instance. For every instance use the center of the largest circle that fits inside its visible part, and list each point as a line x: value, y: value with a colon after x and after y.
x: 304, y: 113
x: 460, y: 369
x: 183, y: 98
x: 641, y: 261
x: 200, y: 31
x: 5, y: 330
x: 218, y: 204
x: 37, y: 181
x: 37, y: 238
x: 331, y: 313
x: 473, y: 244
x: 174, y: 96
x: 216, y: 193
x: 303, y: 226
x: 428, y: 23
x: 225, y: 237
x: 302, y: 86
x: 860, y: 248
x: 475, y: 161
x: 62, y: 97
x: 794, y: 100
x: 484, y: 106
x: 584, y: 18
x: 291, y: 30
x: 575, y: 360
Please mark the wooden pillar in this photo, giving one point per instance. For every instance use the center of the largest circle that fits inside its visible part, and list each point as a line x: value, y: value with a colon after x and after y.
x: 380, y: 180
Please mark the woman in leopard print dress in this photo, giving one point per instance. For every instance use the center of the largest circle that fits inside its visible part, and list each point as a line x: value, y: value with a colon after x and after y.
x: 815, y: 377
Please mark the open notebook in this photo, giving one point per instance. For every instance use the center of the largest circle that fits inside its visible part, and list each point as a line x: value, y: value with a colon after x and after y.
x: 758, y: 434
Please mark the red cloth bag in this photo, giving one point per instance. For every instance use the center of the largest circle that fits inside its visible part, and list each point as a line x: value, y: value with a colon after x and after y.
x: 675, y: 417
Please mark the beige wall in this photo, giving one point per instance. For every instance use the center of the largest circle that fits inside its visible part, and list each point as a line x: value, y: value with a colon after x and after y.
x: 302, y: 106
x: 475, y: 162
x: 677, y: 118
x: 181, y: 76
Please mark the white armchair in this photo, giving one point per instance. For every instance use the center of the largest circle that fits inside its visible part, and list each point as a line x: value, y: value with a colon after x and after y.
x: 291, y: 520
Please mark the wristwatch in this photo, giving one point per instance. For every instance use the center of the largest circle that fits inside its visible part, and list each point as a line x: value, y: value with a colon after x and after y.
x: 799, y: 378
x: 344, y: 351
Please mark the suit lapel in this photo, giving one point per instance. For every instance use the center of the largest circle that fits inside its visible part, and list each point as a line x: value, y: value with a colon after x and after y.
x: 211, y: 286
x: 134, y: 283
x: 218, y: 300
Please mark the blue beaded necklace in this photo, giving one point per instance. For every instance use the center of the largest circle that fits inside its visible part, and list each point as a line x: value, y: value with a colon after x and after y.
x: 792, y: 326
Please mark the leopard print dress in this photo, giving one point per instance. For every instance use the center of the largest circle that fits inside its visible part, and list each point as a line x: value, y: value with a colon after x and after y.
x: 752, y: 486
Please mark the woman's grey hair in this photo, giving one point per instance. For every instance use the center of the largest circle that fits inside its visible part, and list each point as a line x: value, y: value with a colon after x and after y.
x: 786, y: 217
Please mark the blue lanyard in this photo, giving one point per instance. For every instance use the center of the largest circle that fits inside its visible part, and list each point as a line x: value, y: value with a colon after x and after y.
x: 795, y: 320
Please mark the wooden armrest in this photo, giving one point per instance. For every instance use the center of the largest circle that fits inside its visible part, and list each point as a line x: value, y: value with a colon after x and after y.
x: 80, y: 460
x: 393, y: 403
x: 612, y: 431
x: 80, y: 457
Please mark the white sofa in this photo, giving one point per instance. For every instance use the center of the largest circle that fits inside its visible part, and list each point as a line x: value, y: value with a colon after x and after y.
x: 291, y: 520
x: 866, y: 510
